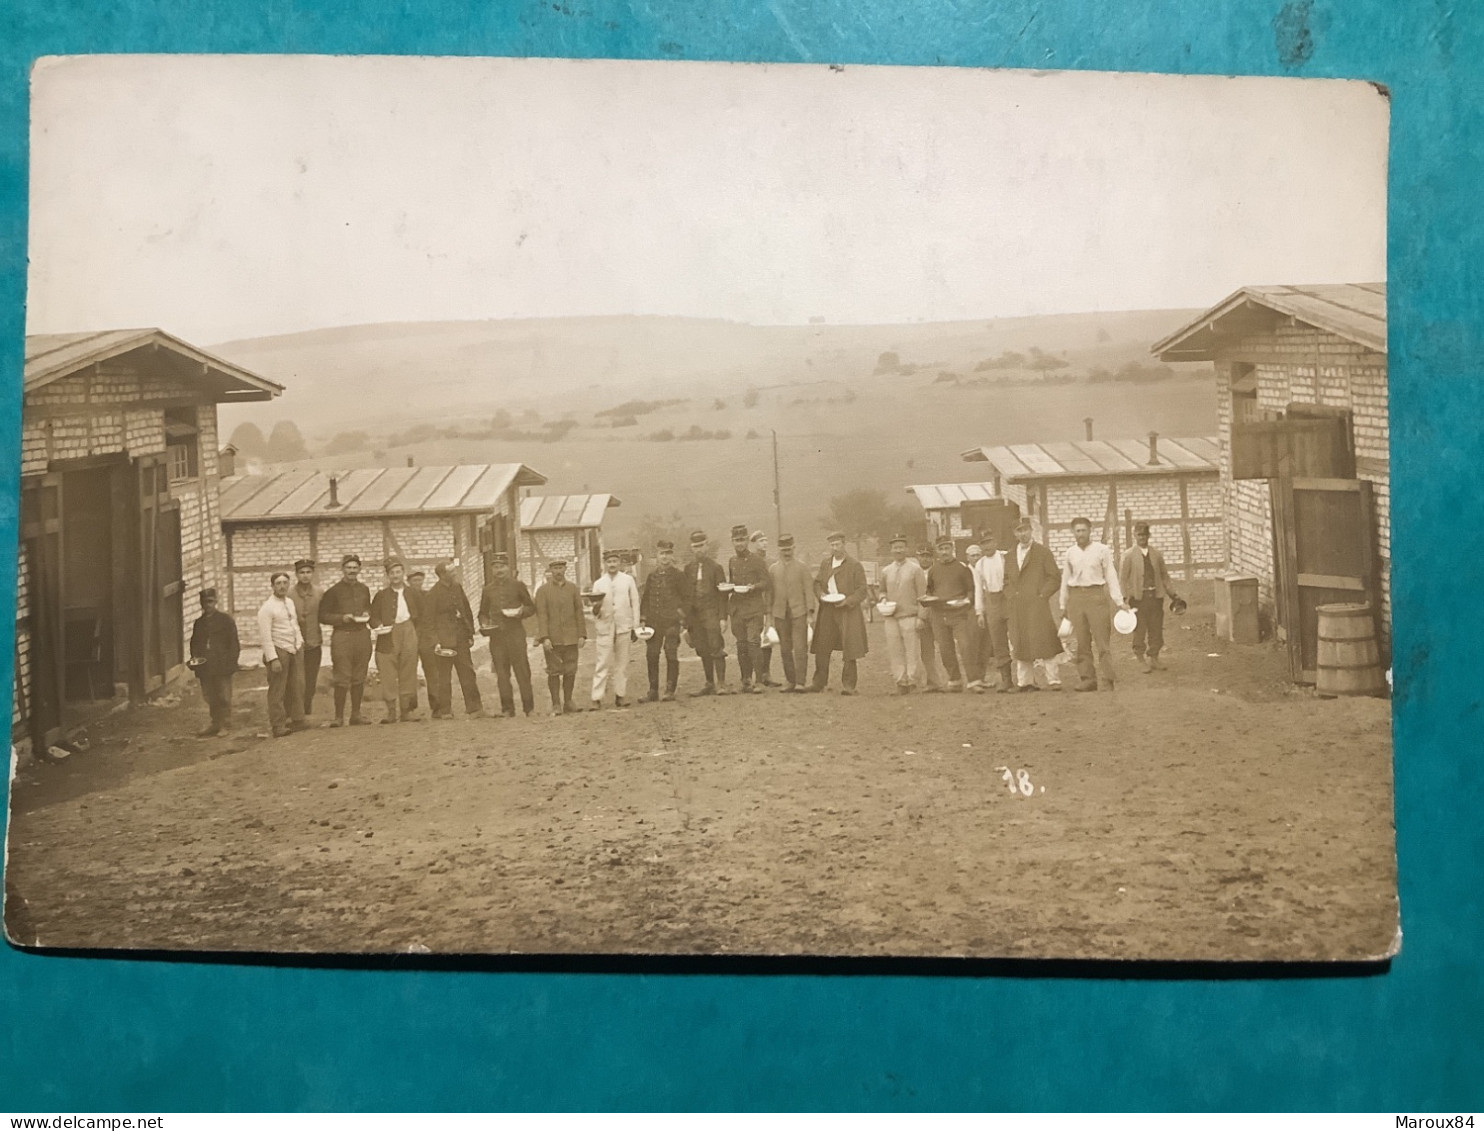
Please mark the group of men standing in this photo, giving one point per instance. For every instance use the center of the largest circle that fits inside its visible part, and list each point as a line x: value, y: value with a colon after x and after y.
x: 991, y: 620
x: 992, y: 616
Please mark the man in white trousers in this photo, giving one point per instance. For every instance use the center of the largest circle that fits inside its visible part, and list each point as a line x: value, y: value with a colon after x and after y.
x: 903, y: 584
x: 617, y: 618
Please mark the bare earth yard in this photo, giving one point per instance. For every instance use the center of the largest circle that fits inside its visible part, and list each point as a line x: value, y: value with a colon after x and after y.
x: 1165, y: 820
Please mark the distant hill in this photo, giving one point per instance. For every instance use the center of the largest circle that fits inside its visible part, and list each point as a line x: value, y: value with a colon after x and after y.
x: 387, y: 375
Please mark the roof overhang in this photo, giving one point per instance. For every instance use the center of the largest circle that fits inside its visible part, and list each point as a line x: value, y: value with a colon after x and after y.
x: 1342, y: 309
x: 220, y: 380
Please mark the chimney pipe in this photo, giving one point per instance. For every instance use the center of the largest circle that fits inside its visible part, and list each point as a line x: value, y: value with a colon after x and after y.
x: 409, y: 461
x: 1153, y: 449
x: 334, y: 494
x: 1087, y: 423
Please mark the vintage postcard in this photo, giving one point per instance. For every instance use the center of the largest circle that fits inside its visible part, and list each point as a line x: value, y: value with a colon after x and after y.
x: 597, y: 507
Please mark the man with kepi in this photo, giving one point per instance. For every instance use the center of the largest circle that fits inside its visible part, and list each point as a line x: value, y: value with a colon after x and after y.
x: 749, y: 608
x: 346, y: 608
x: 614, y: 623
x: 503, y: 608
x: 561, y: 630
x: 794, y: 603
x: 214, y: 650
x: 662, y: 609
x: 1146, y: 582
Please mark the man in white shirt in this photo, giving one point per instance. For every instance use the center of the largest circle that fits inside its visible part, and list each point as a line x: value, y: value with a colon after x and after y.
x: 992, y: 611
x: 282, y: 644
x: 616, y: 619
x: 903, y: 583
x: 1089, y: 590
x: 395, y: 611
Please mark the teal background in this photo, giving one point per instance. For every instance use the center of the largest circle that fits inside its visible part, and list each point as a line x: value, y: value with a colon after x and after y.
x: 103, y: 1034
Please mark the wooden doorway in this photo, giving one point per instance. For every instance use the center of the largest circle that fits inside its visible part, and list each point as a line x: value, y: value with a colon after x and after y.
x: 160, y: 582
x: 997, y: 515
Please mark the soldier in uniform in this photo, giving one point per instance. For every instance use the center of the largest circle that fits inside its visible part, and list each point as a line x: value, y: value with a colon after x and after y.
x: 395, y: 611
x: 662, y: 608
x: 704, y: 613
x: 503, y: 608
x: 452, y: 623
x: 750, y: 611
x: 346, y: 607
x: 840, y: 625
x: 561, y: 630
x: 214, y: 649
x: 306, y: 597
x: 927, y: 641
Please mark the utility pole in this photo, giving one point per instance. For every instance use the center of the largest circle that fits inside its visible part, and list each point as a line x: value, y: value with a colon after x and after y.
x: 777, y: 491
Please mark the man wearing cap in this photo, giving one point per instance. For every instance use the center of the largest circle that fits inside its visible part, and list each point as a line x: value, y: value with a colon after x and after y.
x: 1031, y: 580
x: 749, y: 610
x: 950, y: 580
x: 992, y: 612
x: 281, y: 642
x: 704, y: 615
x: 306, y: 597
x: 794, y: 604
x: 615, y: 620
x: 976, y: 648
x: 452, y: 623
x: 1089, y: 590
x: 1145, y: 579
x: 561, y: 630
x: 840, y: 625
x: 214, y: 649
x: 903, y: 584
x: 662, y: 608
x: 346, y: 608
x: 927, y: 639
x: 503, y: 608
x: 417, y: 582
x: 757, y: 546
x: 394, y: 612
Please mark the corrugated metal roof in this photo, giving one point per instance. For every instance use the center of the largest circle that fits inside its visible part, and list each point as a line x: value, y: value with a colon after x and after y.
x: 1353, y: 311
x: 950, y: 496
x: 372, y: 491
x: 563, y: 512
x: 1058, y: 460
x: 50, y: 357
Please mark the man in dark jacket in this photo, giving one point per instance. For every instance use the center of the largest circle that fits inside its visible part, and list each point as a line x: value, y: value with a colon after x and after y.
x: 1146, y: 582
x: 503, y: 608
x: 306, y: 596
x: 395, y: 611
x: 1031, y: 580
x: 750, y: 609
x: 417, y: 581
x: 214, y: 649
x: 561, y: 630
x: 662, y: 608
x: 840, y: 624
x: 346, y: 607
x: 452, y: 622
x: 705, y: 613
x: 951, y: 583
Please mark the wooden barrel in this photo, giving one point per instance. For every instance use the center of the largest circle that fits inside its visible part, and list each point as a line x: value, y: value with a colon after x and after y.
x: 1349, y: 660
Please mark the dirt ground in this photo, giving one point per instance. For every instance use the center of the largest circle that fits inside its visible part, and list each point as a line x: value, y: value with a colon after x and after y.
x: 1211, y: 811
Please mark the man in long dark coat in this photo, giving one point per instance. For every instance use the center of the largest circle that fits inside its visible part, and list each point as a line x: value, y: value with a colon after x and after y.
x: 662, y: 608
x: 840, y: 626
x: 346, y: 607
x: 705, y: 613
x: 447, y: 613
x: 1031, y: 580
x: 214, y: 649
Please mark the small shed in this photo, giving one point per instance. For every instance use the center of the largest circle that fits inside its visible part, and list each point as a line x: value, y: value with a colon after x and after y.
x: 563, y: 526
x: 1170, y: 483
x: 118, y: 524
x: 1304, y: 462
x: 422, y: 515
x: 962, y: 510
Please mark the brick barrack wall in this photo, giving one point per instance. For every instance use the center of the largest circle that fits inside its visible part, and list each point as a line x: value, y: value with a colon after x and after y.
x: 103, y: 411
x: 1325, y: 370
x: 1152, y: 498
x: 258, y: 549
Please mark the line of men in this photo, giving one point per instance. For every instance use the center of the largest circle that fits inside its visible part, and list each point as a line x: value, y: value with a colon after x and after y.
x: 991, y: 614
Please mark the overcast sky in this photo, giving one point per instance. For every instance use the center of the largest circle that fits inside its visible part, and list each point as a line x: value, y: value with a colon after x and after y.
x: 234, y: 196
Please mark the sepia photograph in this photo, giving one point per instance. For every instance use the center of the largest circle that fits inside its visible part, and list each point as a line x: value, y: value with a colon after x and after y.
x: 575, y: 507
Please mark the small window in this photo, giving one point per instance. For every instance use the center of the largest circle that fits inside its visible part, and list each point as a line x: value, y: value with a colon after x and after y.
x: 182, y: 446
x: 1244, y: 394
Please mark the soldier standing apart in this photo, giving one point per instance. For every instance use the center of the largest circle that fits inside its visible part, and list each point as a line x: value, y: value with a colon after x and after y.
x: 214, y: 649
x: 950, y: 580
x: 1031, y: 580
x: 281, y: 642
x: 1146, y: 581
x: 346, y: 607
x: 927, y: 639
x: 750, y: 610
x: 662, y: 608
x: 704, y: 610
x: 992, y: 611
x: 394, y: 612
x: 840, y: 625
x: 616, y: 618
x: 561, y: 630
x: 904, y: 584
x: 794, y: 604
x: 306, y: 600
x: 1089, y: 590
x: 447, y: 613
x: 503, y: 607
x: 758, y: 546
